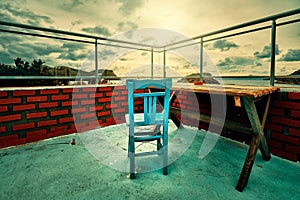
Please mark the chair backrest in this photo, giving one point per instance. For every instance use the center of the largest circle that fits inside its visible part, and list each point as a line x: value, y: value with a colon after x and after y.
x: 151, y: 115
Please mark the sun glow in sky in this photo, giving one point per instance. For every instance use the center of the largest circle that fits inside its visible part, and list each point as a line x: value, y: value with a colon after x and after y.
x: 241, y: 55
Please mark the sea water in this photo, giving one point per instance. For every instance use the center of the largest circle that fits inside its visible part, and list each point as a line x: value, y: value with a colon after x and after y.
x: 258, y: 81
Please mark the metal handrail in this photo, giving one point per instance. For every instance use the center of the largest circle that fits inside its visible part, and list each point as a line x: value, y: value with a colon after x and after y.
x: 92, y: 39
x: 57, y: 31
x: 238, y: 26
x: 273, y: 27
x: 234, y: 34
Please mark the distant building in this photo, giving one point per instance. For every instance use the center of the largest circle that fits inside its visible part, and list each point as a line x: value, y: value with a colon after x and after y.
x: 105, y: 76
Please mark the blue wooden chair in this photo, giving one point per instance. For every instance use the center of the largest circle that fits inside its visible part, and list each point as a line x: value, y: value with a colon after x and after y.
x: 152, y: 118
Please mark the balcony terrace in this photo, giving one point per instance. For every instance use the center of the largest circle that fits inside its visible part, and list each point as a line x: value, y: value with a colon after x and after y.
x: 43, y: 129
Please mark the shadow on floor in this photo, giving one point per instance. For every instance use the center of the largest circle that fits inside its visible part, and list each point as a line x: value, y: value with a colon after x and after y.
x: 56, y: 169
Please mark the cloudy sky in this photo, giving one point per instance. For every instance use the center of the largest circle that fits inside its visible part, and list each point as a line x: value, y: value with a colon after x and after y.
x: 247, y: 54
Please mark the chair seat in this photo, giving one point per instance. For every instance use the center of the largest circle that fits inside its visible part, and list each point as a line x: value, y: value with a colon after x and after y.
x: 140, y: 121
x: 148, y: 132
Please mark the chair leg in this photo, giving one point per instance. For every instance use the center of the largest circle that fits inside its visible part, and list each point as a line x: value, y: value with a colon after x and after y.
x: 132, y: 165
x: 128, y: 148
x: 131, y: 154
x: 165, y: 160
x: 132, y: 176
x: 165, y: 154
x: 165, y: 171
x: 159, y: 145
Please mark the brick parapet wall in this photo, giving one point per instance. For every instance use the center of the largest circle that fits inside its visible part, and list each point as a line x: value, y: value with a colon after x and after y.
x: 283, y: 126
x: 29, y: 115
x: 33, y: 114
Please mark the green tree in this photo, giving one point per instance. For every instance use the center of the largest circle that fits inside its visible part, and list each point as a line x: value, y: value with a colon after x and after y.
x: 20, y: 67
x: 19, y: 62
x: 37, y: 67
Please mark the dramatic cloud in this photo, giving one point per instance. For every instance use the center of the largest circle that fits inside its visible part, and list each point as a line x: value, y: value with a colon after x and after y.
x: 9, y: 37
x: 37, y: 50
x: 73, y: 51
x: 16, y: 14
x: 144, y: 54
x: 291, y: 55
x: 129, y: 6
x: 242, y: 66
x: 72, y: 56
x: 70, y: 5
x: 26, y: 48
x: 5, y: 16
x: 236, y: 62
x: 76, y: 22
x: 104, y: 54
x: 224, y: 45
x: 127, y: 26
x: 266, y: 52
x: 6, y: 58
x: 73, y: 46
x: 98, y: 30
x: 258, y: 64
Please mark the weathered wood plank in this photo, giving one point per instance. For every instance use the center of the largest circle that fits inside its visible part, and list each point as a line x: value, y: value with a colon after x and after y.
x: 231, y: 90
x: 255, y: 123
x: 232, y: 125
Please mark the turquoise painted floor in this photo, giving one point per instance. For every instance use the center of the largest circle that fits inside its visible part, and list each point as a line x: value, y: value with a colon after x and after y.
x: 95, y: 168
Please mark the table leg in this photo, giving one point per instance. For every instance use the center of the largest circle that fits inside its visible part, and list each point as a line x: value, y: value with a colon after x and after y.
x: 245, y: 174
x: 249, y: 105
x: 175, y: 120
x: 263, y: 143
x: 172, y: 116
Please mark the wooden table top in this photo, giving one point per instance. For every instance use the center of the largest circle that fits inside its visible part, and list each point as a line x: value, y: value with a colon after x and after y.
x: 232, y: 90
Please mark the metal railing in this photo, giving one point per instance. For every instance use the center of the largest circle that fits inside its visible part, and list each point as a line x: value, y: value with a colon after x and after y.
x: 273, y: 26
x: 23, y: 29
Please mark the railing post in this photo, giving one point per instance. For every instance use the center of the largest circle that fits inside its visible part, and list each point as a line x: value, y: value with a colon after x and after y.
x: 201, y: 59
x: 273, y: 53
x: 164, y: 63
x: 96, y: 62
x: 152, y: 63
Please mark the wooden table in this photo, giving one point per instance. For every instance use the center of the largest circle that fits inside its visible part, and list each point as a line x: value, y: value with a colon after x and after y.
x: 247, y: 95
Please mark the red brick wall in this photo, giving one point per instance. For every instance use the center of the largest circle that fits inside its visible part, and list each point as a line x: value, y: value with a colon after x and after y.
x: 29, y: 115
x: 283, y: 126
